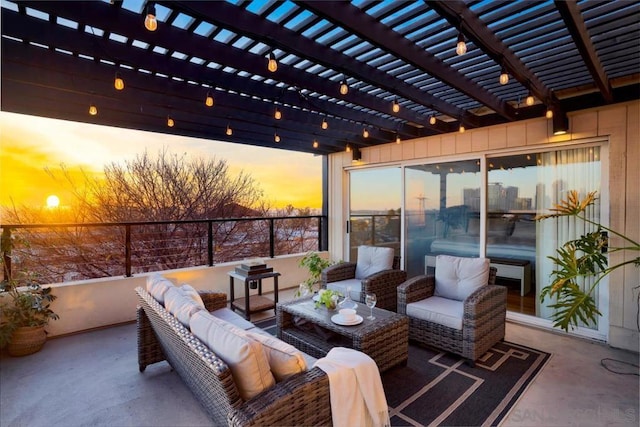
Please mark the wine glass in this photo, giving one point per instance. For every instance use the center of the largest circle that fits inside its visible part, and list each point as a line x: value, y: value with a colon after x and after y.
x: 370, y: 300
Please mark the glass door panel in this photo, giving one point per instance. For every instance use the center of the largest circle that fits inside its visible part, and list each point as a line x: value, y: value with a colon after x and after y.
x: 374, y: 209
x: 441, y: 201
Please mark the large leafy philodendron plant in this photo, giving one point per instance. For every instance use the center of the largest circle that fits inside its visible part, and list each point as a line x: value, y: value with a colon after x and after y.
x: 579, y: 259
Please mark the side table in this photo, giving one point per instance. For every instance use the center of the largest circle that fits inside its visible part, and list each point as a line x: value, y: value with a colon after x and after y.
x: 252, y: 303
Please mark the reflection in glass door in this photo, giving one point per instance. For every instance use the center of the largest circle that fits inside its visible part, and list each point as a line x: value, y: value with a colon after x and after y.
x: 374, y: 209
x: 442, y: 203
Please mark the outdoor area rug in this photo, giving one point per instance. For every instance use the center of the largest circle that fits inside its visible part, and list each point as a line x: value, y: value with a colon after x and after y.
x: 437, y: 388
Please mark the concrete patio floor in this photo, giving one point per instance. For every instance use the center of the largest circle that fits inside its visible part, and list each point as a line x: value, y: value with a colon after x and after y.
x: 93, y: 379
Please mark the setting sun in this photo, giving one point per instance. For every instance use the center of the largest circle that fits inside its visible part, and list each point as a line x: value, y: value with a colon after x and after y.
x: 53, y: 201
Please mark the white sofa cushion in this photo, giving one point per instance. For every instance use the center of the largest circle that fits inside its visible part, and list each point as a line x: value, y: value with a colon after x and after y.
x: 372, y: 259
x: 458, y: 277
x: 443, y: 311
x: 355, y: 286
x: 244, y: 356
x: 157, y: 286
x: 284, y: 359
x: 190, y: 292
x: 230, y: 316
x: 180, y: 305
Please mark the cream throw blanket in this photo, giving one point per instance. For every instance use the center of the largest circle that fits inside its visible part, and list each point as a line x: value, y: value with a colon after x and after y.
x: 355, y: 388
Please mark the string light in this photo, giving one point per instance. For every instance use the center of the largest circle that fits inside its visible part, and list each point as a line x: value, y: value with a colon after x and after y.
x: 118, y: 83
x: 315, y: 144
x: 395, y: 107
x: 549, y: 113
x: 397, y: 139
x: 277, y: 114
x: 208, y: 101
x: 324, y: 124
x: 504, y: 77
x: 170, y: 122
x: 93, y: 110
x: 432, y: 120
x: 348, y: 148
x: 529, y: 100
x: 276, y: 137
x: 365, y: 133
x: 150, y: 21
x: 272, y: 65
x: 229, y: 131
x: 461, y: 129
x: 461, y: 47
x: 344, y: 88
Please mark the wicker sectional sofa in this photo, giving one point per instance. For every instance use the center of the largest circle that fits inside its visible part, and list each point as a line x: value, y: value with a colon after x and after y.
x: 301, y: 399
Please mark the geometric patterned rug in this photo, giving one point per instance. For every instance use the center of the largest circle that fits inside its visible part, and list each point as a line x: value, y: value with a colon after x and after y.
x: 439, y: 389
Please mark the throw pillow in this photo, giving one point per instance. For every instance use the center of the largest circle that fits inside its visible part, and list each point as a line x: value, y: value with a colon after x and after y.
x: 189, y: 292
x: 244, y: 356
x: 284, y: 359
x: 372, y: 259
x: 181, y: 306
x: 157, y: 286
x: 458, y: 277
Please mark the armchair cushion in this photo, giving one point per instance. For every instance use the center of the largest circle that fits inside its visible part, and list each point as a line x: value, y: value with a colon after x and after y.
x: 443, y: 311
x: 372, y: 259
x: 457, y: 277
x: 355, y: 286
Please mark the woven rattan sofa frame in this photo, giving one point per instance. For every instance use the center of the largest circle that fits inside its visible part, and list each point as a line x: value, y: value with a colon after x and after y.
x: 483, y: 322
x: 382, y: 283
x: 302, y: 399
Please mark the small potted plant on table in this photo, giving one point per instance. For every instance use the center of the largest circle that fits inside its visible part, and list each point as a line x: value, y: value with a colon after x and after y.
x: 313, y: 262
x: 25, y: 311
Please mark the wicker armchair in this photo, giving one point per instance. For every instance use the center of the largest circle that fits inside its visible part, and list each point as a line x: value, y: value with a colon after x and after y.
x: 383, y: 283
x: 483, y: 317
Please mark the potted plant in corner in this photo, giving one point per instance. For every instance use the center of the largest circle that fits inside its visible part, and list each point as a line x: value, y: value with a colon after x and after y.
x: 578, y: 259
x: 314, y: 263
x: 24, y: 312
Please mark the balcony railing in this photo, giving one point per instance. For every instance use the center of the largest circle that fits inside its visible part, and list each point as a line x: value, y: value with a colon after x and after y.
x: 66, y: 252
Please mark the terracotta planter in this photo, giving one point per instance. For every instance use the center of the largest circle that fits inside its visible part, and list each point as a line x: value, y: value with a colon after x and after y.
x: 27, y: 340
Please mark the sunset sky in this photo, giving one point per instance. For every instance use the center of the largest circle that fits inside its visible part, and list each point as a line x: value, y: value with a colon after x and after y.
x: 29, y: 145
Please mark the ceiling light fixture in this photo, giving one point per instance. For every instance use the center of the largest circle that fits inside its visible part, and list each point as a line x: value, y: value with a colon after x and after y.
x: 560, y: 123
x: 344, y: 88
x: 93, y: 110
x: 324, y: 124
x: 272, y: 65
x: 170, y: 122
x: 461, y: 47
x: 504, y: 77
x: 229, y: 131
x: 150, y: 21
x: 356, y: 154
x: 395, y: 107
x: 118, y: 83
x: 365, y: 133
x: 432, y: 120
x: 315, y: 143
x: 208, y: 101
x: 277, y: 114
x: 529, y: 101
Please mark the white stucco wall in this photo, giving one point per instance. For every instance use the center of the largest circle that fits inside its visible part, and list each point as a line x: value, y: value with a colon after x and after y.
x: 620, y: 123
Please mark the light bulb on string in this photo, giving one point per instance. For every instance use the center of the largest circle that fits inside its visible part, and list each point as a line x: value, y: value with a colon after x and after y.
x: 432, y: 120
x: 118, y: 83
x: 461, y: 129
x: 504, y: 77
x: 365, y: 133
x: 93, y: 110
x: 529, y: 100
x: 315, y: 143
x: 277, y: 114
x: 208, y: 101
x: 229, y: 131
x: 324, y: 124
x: 461, y: 46
x: 150, y: 21
x: 272, y: 65
x: 170, y: 122
x: 549, y: 113
x: 395, y: 107
x: 276, y: 137
x: 344, y: 88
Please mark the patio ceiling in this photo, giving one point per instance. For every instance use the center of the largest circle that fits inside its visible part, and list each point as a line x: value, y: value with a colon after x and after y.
x: 60, y: 57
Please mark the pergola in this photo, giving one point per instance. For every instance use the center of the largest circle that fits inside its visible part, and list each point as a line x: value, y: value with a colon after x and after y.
x: 397, y: 59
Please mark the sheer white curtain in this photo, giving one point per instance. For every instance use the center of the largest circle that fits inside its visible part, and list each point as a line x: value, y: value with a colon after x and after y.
x: 558, y: 173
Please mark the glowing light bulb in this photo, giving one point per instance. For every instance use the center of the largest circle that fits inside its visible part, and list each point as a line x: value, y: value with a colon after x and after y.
x: 344, y: 88
x: 315, y: 144
x: 348, y: 149
x: 504, y: 77
x: 276, y: 137
x: 272, y: 65
x: 461, y: 47
x: 208, y: 100
x: 432, y: 120
x: 150, y: 21
x: 118, y: 83
x: 170, y: 122
x: 398, y: 139
x: 365, y: 133
x: 93, y: 110
x: 395, y: 107
x: 529, y: 100
x: 229, y: 131
x: 549, y: 114
x: 461, y: 129
x: 277, y: 114
x: 324, y: 124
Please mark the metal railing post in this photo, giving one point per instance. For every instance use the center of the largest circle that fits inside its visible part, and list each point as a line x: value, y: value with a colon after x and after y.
x: 127, y: 250
x: 6, y: 252
x: 272, y: 250
x: 210, y: 243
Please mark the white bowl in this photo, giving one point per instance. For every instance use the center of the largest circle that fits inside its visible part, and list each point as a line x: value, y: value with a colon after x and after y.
x: 348, y: 314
